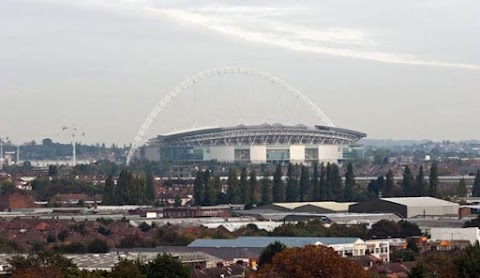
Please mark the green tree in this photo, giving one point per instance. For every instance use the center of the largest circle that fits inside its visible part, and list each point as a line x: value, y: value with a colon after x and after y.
x: 233, y: 190
x: 209, y: 193
x: 166, y: 266
x: 315, y: 183
x: 245, y: 189
x: 420, y: 182
x: 109, y: 192
x: 97, y: 246
x: 52, y: 170
x: 418, y: 271
x: 304, y: 184
x: 349, y: 194
x: 408, y: 182
x: 253, y: 184
x: 336, y: 182
x: 292, y: 184
x: 322, y: 184
x: 269, y: 252
x: 476, y: 185
x: 150, y: 187
x: 42, y: 264
x: 217, y: 189
x: 384, y: 229
x: 462, y: 188
x: 198, y: 189
x: 433, y: 181
x: 389, y: 184
x: 127, y: 269
x: 278, y: 185
x: 267, y: 194
x: 468, y: 262
x: 403, y: 255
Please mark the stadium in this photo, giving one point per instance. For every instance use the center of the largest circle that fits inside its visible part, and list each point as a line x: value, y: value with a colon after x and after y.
x: 248, y: 143
x: 254, y: 144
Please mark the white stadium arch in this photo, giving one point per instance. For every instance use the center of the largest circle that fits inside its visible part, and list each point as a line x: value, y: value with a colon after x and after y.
x: 189, y: 82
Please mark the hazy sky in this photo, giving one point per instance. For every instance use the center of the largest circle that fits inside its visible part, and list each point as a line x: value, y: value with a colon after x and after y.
x: 391, y: 69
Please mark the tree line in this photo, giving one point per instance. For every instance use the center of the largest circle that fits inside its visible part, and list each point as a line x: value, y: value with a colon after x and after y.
x: 129, y: 189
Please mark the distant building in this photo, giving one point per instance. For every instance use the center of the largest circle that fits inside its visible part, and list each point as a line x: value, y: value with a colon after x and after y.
x: 312, y: 207
x: 192, y: 212
x: 471, y: 234
x: 254, y: 144
x: 408, y: 207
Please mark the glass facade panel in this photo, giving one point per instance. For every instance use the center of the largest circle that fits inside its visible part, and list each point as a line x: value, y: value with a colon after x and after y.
x: 278, y: 155
x: 242, y: 155
x: 311, y: 154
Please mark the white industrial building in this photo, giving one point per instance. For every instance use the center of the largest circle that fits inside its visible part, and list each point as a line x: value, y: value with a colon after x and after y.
x: 471, y: 234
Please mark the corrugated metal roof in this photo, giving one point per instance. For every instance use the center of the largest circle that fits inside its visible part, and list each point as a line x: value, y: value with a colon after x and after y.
x: 419, y: 201
x: 265, y: 241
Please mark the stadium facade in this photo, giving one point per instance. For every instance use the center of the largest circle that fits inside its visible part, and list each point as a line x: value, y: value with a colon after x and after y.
x: 253, y: 144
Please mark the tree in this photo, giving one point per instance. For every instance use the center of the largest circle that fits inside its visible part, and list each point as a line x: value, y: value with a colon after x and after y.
x: 127, y: 269
x: 253, y: 184
x: 439, y: 264
x: 43, y: 264
x: 468, y: 262
x: 336, y: 183
x: 349, y: 194
x: 418, y: 271
x: 384, y: 229
x: 292, y: 184
x: 245, y: 189
x: 315, y: 183
x: 389, y: 184
x: 403, y: 255
x: 166, y: 266
x: 373, y: 189
x: 322, y: 184
x: 420, y: 182
x: 433, y: 181
x: 52, y: 170
x: 269, y: 252
x: 311, y: 261
x: 409, y: 229
x: 476, y: 185
x: 267, y: 196
x: 150, y: 187
x: 233, y: 190
x: 109, y: 192
x: 408, y: 182
x: 198, y: 189
x: 217, y: 189
x: 208, y: 194
x: 278, y: 186
x: 304, y: 184
x: 97, y: 246
x: 462, y: 188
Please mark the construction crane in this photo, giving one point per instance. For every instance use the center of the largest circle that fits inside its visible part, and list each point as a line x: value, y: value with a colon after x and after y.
x: 73, y: 129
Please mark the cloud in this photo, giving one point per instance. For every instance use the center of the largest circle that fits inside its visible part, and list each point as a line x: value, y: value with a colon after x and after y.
x: 260, y: 25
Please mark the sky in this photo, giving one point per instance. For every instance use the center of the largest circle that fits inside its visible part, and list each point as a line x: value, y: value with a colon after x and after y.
x: 392, y: 69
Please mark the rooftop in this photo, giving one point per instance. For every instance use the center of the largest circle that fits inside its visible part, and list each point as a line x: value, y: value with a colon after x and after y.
x: 419, y: 201
x: 265, y: 241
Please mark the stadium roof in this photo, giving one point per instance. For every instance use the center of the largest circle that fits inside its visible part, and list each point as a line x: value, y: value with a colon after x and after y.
x: 265, y: 241
x: 260, y: 135
x: 419, y: 201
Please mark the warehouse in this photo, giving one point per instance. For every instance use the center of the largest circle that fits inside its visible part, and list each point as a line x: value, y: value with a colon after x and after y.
x: 407, y: 207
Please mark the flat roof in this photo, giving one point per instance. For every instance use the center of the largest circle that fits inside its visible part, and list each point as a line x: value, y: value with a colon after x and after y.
x: 265, y: 241
x: 419, y: 201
